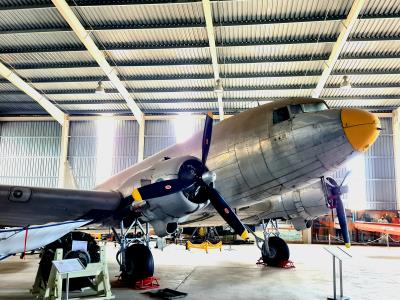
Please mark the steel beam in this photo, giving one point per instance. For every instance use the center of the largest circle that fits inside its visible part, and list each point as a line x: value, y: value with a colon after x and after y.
x: 85, y: 38
x: 150, y: 78
x: 202, y: 100
x: 213, y: 51
x: 396, y: 152
x: 339, y: 44
x: 95, y: 118
x: 93, y: 3
x: 63, y: 164
x: 141, y: 141
x: 204, y: 89
x: 195, y: 23
x: 157, y: 112
x: 194, y: 62
x: 196, y: 45
x: 25, y: 88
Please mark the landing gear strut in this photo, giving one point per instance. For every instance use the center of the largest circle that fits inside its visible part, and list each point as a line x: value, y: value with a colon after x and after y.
x: 274, y: 250
x: 134, y: 256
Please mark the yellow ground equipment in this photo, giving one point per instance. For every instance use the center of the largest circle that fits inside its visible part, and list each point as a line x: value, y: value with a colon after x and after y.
x: 204, y: 245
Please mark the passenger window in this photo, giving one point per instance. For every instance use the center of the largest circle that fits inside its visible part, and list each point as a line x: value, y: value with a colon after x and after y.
x: 280, y: 115
x: 295, y: 109
x: 314, y: 107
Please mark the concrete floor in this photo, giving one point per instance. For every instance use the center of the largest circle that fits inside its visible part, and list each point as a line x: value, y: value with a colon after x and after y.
x: 372, y: 273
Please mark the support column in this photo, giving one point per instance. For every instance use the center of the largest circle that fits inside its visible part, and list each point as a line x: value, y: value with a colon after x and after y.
x: 63, y: 153
x: 396, y: 152
x: 141, y: 140
x: 307, y: 237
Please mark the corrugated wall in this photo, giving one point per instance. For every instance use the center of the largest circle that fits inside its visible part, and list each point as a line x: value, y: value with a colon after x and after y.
x: 126, y: 145
x: 160, y: 134
x: 379, y: 170
x: 29, y: 153
x: 83, y: 152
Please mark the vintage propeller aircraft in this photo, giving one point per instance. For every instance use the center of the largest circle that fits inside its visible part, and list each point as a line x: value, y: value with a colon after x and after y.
x: 264, y: 164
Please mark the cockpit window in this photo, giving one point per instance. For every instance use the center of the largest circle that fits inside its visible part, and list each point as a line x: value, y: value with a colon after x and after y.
x: 314, y: 107
x: 296, y: 109
x: 280, y: 115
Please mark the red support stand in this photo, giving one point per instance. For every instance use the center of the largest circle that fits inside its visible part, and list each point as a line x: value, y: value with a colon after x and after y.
x: 287, y: 264
x: 147, y: 283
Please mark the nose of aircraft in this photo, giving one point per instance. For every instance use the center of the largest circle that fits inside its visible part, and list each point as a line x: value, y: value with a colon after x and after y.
x: 361, y: 128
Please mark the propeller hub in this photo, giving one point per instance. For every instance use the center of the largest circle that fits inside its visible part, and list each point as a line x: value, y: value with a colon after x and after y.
x: 209, y: 177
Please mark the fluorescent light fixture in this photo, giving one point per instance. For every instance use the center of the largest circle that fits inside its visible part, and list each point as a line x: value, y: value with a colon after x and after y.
x: 219, y: 89
x: 100, y: 89
x: 345, y: 83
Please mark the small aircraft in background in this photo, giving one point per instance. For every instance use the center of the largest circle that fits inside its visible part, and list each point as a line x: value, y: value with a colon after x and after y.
x: 264, y: 164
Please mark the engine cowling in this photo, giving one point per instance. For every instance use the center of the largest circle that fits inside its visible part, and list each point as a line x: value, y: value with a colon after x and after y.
x: 167, y: 211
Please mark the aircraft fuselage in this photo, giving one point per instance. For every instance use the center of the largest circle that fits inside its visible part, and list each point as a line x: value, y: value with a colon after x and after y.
x: 255, y: 160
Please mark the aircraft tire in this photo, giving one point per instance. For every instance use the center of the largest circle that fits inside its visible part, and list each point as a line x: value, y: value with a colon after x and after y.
x: 279, y: 252
x: 65, y: 242
x: 139, y: 263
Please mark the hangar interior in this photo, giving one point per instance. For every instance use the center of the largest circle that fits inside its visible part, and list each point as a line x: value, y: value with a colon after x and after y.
x: 97, y: 86
x: 262, y: 51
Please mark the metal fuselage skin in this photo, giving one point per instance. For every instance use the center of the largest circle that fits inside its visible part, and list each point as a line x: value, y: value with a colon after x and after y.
x: 261, y: 167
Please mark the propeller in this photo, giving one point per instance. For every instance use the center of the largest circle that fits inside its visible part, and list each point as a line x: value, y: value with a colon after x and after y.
x: 195, y: 173
x: 336, y: 202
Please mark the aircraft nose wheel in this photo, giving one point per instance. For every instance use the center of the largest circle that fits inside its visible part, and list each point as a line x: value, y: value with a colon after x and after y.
x: 278, y: 252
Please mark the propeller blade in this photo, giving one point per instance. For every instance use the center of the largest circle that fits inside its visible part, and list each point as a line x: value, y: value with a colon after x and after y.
x: 341, y: 214
x: 226, y: 212
x: 159, y: 189
x: 207, y: 133
x: 345, y: 177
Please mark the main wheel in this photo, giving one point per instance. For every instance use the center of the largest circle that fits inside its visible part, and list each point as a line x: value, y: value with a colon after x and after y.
x: 278, y: 252
x: 91, y: 255
x: 139, y: 263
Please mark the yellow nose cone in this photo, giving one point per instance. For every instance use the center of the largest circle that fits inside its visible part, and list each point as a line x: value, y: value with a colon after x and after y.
x: 361, y: 128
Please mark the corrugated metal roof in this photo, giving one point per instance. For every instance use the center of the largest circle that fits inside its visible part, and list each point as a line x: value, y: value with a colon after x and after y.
x: 151, y: 37
x: 266, y: 49
x: 375, y: 92
x: 302, y: 67
x: 364, y: 103
x: 367, y: 79
x: 35, y: 40
x: 286, y: 52
x: 141, y: 15
x: 239, y: 11
x: 278, y: 32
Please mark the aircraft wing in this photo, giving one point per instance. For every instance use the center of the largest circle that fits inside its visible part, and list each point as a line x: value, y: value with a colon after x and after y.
x: 23, y: 206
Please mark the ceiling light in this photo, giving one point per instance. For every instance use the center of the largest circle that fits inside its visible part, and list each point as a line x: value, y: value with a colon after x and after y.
x: 219, y: 89
x: 345, y: 83
x: 100, y: 89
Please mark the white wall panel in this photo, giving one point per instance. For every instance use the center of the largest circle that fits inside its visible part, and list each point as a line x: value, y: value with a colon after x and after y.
x: 29, y: 153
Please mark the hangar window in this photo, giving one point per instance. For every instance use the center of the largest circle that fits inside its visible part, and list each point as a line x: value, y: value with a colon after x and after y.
x: 314, y: 107
x: 280, y: 115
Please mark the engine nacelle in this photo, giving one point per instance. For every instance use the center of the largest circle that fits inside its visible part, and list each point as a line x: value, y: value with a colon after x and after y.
x: 166, y: 211
x: 300, y: 206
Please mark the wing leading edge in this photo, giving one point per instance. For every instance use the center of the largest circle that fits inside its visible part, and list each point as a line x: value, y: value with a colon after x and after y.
x: 21, y: 206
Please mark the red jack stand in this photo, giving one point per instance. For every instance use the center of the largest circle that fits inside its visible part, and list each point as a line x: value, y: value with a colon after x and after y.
x: 147, y: 283
x: 288, y: 264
